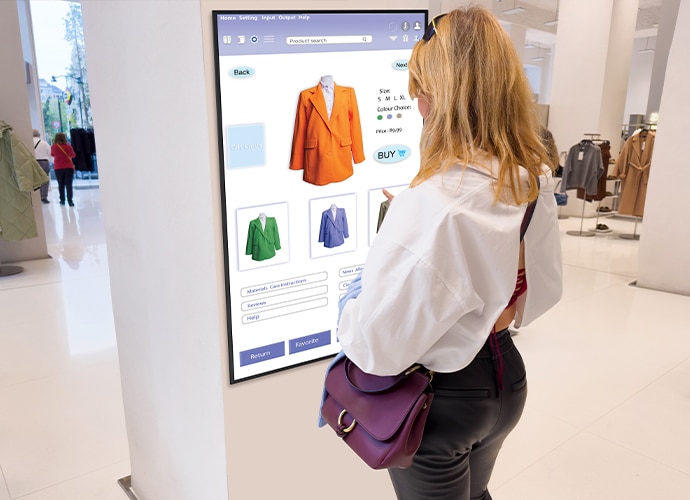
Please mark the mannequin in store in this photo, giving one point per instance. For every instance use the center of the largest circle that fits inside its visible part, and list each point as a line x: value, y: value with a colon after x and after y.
x: 632, y: 168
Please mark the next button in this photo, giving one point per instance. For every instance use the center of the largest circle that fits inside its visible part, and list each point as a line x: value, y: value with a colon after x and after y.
x: 310, y: 342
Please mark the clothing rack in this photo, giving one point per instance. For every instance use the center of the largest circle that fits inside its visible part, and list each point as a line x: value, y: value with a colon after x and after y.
x: 634, y: 235
x: 596, y: 229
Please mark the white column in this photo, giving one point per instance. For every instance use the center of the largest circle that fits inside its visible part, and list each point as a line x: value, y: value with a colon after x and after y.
x: 667, y: 24
x: 591, y: 66
x: 148, y: 93
x: 590, y: 75
x: 15, y: 111
x: 664, y: 259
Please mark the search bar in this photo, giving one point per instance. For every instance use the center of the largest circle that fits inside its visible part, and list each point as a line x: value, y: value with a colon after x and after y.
x: 328, y: 39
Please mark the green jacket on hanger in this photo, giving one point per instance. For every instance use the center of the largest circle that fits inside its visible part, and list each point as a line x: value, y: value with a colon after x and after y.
x: 20, y: 174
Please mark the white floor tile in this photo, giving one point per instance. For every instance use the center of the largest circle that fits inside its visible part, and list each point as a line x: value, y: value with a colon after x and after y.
x: 4, y: 492
x: 654, y: 422
x: 62, y: 425
x: 98, y: 485
x: 536, y: 435
x: 590, y: 468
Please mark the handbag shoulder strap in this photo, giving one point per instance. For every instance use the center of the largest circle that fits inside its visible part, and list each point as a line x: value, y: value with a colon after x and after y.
x: 37, y: 143
x: 65, y: 153
x: 528, y: 215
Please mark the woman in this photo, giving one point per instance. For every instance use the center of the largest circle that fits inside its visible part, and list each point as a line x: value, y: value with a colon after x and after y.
x: 442, y: 270
x: 62, y: 154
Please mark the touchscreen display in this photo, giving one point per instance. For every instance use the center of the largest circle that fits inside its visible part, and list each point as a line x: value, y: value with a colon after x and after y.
x: 314, y: 120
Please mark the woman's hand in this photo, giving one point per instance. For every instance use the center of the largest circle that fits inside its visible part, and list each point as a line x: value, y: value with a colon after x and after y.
x: 388, y: 194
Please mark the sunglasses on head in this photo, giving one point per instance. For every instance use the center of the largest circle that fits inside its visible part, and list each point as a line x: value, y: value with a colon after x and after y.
x: 431, y: 29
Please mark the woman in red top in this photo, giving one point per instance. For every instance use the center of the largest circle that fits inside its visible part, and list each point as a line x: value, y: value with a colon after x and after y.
x: 62, y: 154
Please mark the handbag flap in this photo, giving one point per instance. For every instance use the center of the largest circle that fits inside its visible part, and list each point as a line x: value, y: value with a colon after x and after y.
x: 380, y: 413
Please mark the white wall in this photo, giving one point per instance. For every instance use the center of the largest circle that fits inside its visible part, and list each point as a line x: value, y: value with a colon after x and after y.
x: 664, y: 260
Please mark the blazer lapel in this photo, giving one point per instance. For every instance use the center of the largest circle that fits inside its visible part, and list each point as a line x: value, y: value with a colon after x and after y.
x: 319, y: 104
x: 338, y: 101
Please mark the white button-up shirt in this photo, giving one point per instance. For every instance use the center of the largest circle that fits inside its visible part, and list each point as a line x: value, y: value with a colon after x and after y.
x: 442, y: 269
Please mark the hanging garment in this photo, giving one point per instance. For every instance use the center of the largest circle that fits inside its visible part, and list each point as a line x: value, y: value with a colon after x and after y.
x: 324, y: 147
x: 20, y: 174
x: 601, y: 183
x: 333, y: 230
x: 84, y: 146
x: 632, y: 168
x: 262, y: 242
x: 582, y: 167
x: 383, y: 210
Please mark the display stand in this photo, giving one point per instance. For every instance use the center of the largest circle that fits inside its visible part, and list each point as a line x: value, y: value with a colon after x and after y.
x: 581, y: 232
x: 582, y: 220
x: 597, y: 229
x: 9, y: 270
x: 633, y: 236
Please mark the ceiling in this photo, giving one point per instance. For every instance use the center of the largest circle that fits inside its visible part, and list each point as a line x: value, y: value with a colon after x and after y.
x: 540, y: 11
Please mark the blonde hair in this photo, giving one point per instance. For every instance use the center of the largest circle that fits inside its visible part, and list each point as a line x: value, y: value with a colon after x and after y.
x: 480, y: 102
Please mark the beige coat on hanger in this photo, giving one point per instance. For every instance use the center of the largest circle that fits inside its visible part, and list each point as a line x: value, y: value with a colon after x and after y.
x: 632, y: 167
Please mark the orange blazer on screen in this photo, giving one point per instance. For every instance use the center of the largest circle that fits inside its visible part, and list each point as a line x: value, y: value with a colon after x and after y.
x: 326, y: 148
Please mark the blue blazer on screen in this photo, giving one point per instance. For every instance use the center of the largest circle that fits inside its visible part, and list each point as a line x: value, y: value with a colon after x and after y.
x: 333, y: 231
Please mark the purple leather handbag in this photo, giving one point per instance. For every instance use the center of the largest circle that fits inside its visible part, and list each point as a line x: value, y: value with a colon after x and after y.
x: 381, y: 418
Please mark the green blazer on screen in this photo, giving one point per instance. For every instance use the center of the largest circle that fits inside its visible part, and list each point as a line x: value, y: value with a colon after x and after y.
x: 262, y: 242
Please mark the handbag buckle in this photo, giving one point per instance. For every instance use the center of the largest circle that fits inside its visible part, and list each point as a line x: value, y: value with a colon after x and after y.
x: 345, y: 430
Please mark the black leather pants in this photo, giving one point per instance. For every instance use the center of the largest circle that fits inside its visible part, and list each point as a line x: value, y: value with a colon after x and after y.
x: 468, y: 422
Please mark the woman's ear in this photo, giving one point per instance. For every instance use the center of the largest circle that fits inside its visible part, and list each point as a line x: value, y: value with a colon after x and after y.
x: 423, y: 105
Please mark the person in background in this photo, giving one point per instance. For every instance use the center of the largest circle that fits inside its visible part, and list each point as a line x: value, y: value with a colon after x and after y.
x: 551, y: 149
x: 62, y: 154
x: 448, y: 273
x: 42, y: 154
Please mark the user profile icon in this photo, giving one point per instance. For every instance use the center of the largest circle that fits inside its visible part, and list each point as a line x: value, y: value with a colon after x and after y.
x: 417, y: 26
